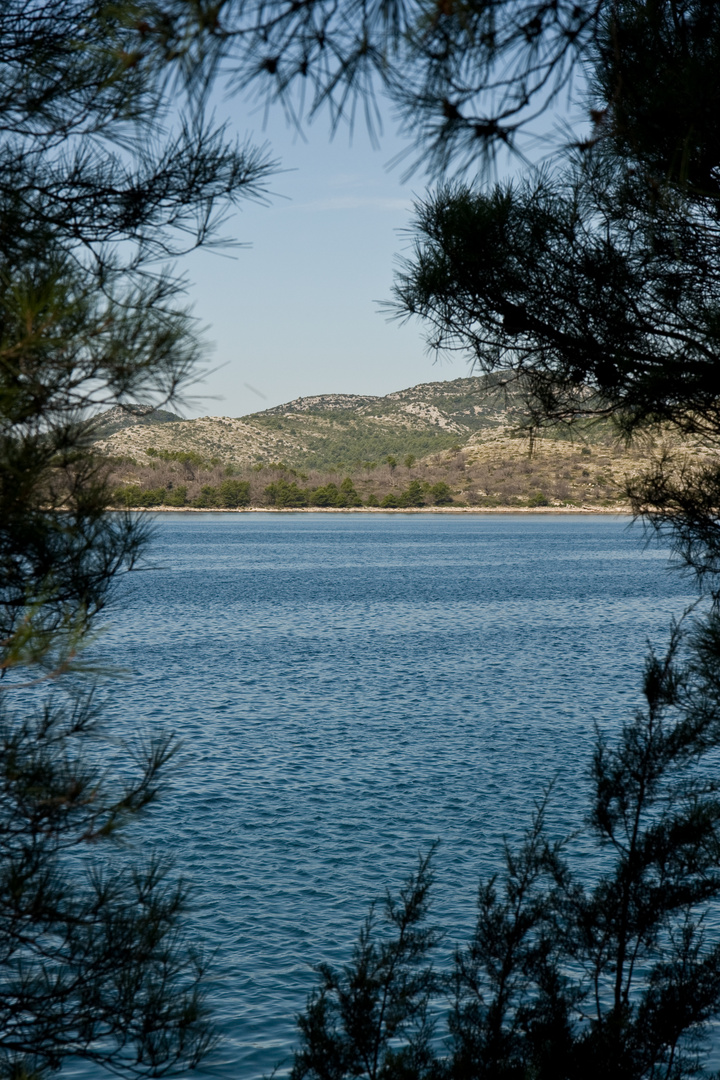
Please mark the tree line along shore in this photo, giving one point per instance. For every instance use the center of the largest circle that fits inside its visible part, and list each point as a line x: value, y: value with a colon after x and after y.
x: 504, y: 474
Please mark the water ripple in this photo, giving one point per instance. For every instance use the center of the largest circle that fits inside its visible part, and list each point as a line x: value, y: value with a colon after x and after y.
x: 350, y: 689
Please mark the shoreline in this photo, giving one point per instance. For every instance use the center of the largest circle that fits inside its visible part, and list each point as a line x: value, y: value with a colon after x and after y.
x: 617, y: 511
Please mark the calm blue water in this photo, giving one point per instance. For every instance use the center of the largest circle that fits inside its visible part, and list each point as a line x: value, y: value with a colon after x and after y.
x: 350, y: 688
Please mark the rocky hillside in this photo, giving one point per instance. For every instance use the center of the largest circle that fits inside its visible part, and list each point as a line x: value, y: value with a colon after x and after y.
x: 122, y: 417
x: 463, y: 435
x: 327, y: 431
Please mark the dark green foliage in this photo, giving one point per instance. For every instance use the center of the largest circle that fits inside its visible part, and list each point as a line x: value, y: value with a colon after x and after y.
x: 90, y: 960
x: 440, y: 494
x: 176, y: 496
x: 371, y: 1019
x: 681, y: 504
x: 134, y: 496
x: 234, y: 493
x: 207, y: 498
x: 597, y: 284
x: 326, y: 496
x: 88, y: 315
x: 671, y: 125
x: 286, y: 495
x: 349, y: 494
x: 590, y: 321
x: 105, y: 178
x: 567, y: 978
x: 330, y: 495
x: 412, y: 497
x: 511, y: 1008
x: 228, y: 495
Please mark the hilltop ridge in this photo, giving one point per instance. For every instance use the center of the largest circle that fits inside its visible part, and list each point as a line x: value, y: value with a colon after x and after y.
x: 463, y: 438
x: 327, y: 430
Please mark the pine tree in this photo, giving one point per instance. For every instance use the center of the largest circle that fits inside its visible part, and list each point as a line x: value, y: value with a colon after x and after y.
x: 94, y: 203
x: 564, y: 978
x: 593, y: 286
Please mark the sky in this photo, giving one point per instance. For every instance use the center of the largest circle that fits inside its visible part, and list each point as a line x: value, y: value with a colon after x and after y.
x: 297, y: 313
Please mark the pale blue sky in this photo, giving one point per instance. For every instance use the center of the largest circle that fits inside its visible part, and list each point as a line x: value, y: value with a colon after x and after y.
x: 297, y: 312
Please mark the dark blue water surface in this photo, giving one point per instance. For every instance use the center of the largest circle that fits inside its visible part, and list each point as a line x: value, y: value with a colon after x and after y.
x: 350, y: 688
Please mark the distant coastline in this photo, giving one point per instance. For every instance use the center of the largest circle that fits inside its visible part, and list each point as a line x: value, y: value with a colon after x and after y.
x: 451, y: 447
x: 613, y: 510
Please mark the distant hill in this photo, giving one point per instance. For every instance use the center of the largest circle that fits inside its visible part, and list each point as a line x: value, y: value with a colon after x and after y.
x: 328, y: 430
x: 121, y: 417
x: 465, y: 435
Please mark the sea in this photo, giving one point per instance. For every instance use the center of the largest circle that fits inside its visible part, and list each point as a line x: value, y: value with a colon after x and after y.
x: 351, y: 689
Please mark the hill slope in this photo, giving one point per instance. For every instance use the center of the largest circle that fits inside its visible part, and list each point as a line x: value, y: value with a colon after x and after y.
x: 464, y: 435
x: 330, y: 430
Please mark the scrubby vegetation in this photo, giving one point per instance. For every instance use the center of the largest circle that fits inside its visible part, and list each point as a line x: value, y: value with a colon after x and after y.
x: 466, y: 434
x: 340, y: 438
x: 499, y: 474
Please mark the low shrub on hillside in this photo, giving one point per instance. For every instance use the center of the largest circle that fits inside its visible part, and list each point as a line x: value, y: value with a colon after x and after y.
x: 331, y: 495
x: 229, y: 495
x: 412, y: 497
x: 440, y: 494
x: 190, y: 457
x: 287, y: 496
x: 135, y: 496
x: 176, y: 496
x: 507, y: 478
